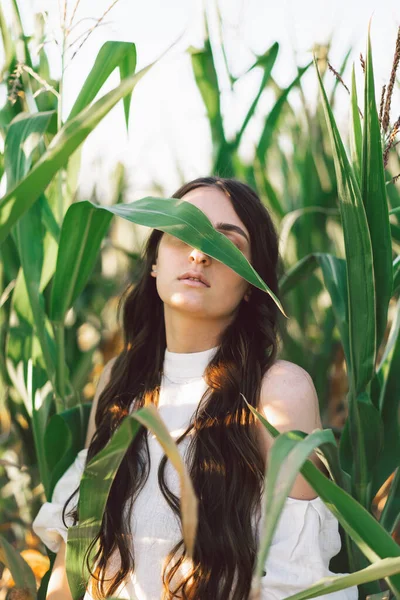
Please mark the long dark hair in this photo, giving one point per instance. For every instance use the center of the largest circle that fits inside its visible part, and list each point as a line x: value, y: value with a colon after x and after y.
x: 224, y: 457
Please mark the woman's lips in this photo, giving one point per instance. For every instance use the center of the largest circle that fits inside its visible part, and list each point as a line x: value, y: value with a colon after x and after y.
x: 193, y: 283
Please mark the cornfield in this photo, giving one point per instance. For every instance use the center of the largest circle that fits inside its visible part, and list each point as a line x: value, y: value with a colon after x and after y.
x: 336, y: 204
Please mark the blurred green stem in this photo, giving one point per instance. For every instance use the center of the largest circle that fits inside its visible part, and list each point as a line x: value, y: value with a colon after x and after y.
x: 22, y: 40
x: 350, y: 552
x: 40, y: 451
x: 59, y: 115
x: 60, y: 366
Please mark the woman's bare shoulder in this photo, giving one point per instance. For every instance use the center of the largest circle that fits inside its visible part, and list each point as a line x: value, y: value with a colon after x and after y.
x: 283, y: 371
x: 289, y: 398
x: 289, y: 401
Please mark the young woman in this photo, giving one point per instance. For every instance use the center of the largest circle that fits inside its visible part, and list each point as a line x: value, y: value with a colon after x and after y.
x: 192, y: 348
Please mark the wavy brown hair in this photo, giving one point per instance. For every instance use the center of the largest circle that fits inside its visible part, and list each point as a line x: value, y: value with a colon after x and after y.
x: 224, y: 457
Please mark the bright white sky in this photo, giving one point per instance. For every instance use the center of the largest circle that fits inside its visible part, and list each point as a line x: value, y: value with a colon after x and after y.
x: 168, y: 129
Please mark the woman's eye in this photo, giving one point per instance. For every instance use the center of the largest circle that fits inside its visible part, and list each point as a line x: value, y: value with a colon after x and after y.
x: 235, y: 243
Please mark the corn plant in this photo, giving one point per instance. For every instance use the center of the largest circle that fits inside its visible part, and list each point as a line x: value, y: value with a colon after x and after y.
x: 305, y: 208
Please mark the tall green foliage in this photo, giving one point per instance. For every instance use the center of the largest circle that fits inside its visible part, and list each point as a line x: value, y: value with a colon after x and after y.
x: 49, y: 245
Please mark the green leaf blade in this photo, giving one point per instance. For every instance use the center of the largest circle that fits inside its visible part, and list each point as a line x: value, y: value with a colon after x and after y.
x: 95, y: 486
x: 190, y: 224
x: 111, y: 55
x: 82, y: 232
x: 74, y: 132
x: 372, y: 539
x: 356, y: 138
x: 373, y: 190
x: 359, y: 261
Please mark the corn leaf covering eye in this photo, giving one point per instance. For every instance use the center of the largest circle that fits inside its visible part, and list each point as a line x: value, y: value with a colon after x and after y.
x: 181, y: 219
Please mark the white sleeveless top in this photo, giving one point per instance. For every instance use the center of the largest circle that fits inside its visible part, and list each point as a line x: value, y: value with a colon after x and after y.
x: 305, y: 539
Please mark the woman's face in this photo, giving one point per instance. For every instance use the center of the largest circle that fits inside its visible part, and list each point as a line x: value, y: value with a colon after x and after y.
x: 175, y: 257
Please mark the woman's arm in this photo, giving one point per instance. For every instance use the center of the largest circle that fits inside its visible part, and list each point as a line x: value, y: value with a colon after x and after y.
x: 103, y: 381
x: 58, y: 588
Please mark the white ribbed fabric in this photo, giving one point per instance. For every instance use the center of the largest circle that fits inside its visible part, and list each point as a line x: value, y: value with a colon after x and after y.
x: 305, y: 539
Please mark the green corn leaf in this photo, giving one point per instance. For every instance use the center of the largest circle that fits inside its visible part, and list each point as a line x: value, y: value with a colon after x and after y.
x: 111, y: 55
x: 24, y: 53
x: 366, y: 437
x: 373, y: 190
x: 71, y: 135
x: 24, y: 136
x: 266, y: 61
x: 7, y: 114
x: 302, y: 269
x: 29, y: 235
x: 272, y: 119
x: 335, y: 280
x: 372, y: 539
x: 285, y: 459
x: 19, y: 568
x: 8, y: 43
x: 127, y: 67
x: 334, y: 274
x: 379, y: 570
x: 396, y: 275
x: 206, y: 78
x: 85, y: 225
x: 51, y: 226
x: 359, y: 261
x: 389, y: 406
x: 96, y: 482
x: 82, y: 232
x: 63, y: 437
x: 290, y: 218
x: 356, y: 138
x: 188, y: 223
x: 264, y: 183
